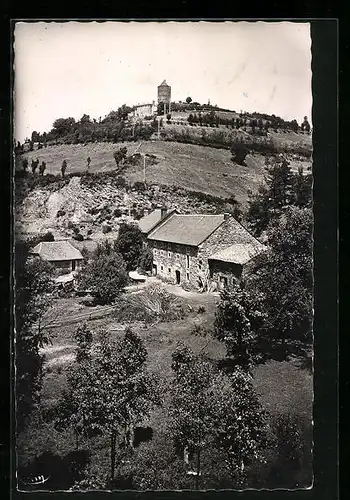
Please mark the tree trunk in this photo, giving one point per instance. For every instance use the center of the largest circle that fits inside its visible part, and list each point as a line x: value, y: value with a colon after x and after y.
x: 198, y: 469
x: 113, y: 450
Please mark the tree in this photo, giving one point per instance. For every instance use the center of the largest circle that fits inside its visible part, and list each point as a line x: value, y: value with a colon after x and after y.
x: 237, y: 321
x: 129, y: 244
x: 110, y: 391
x: 273, y: 195
x: 42, y: 168
x: 306, y: 125
x: 83, y: 337
x: 146, y: 259
x: 120, y: 155
x: 193, y: 404
x: 33, y: 298
x: 302, y: 189
x: 282, y: 278
x: 239, y: 152
x: 64, y: 167
x: 62, y: 127
x: 241, y: 431
x: 188, y: 100
x: 25, y: 164
x: 34, y: 165
x: 104, y: 275
x: 88, y: 161
x: 35, y: 136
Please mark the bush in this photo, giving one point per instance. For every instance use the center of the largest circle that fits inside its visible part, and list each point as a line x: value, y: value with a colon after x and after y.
x: 60, y: 213
x: 48, y: 237
x: 117, y: 212
x: 201, y: 310
x: 106, y: 228
x: 78, y: 237
x: 139, y: 186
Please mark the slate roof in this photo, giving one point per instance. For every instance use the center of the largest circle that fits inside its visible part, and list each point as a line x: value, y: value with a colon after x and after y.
x: 186, y: 229
x: 240, y: 253
x: 150, y: 221
x: 56, y: 251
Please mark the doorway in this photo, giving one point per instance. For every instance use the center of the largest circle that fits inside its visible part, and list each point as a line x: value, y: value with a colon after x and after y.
x: 154, y: 270
x: 73, y: 265
x: 178, y: 277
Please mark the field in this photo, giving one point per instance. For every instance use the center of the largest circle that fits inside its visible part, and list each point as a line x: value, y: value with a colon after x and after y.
x: 285, y: 387
x: 193, y: 167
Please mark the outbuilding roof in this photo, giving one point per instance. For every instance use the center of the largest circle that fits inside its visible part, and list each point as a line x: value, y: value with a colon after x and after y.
x: 240, y: 253
x: 186, y: 229
x: 56, y: 251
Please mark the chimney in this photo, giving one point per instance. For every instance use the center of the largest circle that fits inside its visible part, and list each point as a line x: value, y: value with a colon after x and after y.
x: 226, y: 215
x: 163, y: 212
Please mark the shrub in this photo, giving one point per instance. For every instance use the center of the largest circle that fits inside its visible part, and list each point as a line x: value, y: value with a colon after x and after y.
x: 48, y: 237
x: 117, y: 212
x: 78, y: 237
x: 76, y: 229
x: 139, y: 186
x: 201, y: 310
x: 106, y: 228
x: 60, y: 213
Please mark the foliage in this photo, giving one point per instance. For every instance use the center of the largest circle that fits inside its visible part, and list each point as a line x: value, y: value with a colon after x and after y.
x: 25, y: 164
x: 281, y: 188
x: 212, y: 411
x: 104, y: 275
x: 146, y: 259
x: 83, y: 338
x: 129, y: 244
x: 48, y: 237
x: 64, y: 167
x: 110, y: 391
x: 282, y: 276
x: 120, y: 155
x: 239, y: 152
x: 188, y: 100
x: 242, y: 431
x: 32, y: 299
x: 237, y: 320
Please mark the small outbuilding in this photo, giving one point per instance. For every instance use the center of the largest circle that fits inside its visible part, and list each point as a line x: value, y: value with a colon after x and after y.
x: 62, y: 254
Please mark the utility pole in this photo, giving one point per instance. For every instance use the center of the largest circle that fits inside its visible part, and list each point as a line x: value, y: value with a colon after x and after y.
x: 144, y: 169
x: 158, y: 127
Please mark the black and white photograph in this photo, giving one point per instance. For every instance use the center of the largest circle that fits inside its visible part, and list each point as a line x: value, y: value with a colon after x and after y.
x: 163, y: 255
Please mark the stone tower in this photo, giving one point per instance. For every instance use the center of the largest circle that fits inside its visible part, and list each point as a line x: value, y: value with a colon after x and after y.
x: 164, y: 96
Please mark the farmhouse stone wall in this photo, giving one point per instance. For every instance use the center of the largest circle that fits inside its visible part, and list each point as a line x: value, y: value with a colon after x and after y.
x: 192, y: 262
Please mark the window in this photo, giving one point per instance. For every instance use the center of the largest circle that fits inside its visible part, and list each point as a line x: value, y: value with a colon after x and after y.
x: 161, y: 268
x: 177, y: 255
x: 155, y: 251
x: 73, y: 265
x: 161, y: 253
x: 187, y: 261
x: 169, y: 249
x: 188, y: 276
x: 200, y: 264
x: 169, y: 270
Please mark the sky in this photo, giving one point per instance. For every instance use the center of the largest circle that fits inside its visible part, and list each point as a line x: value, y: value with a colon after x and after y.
x: 68, y: 69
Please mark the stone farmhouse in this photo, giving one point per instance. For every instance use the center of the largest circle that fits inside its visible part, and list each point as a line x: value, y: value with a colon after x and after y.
x: 62, y: 254
x: 201, y: 251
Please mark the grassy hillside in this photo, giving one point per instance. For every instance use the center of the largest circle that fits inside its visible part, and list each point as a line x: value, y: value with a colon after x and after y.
x: 193, y: 167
